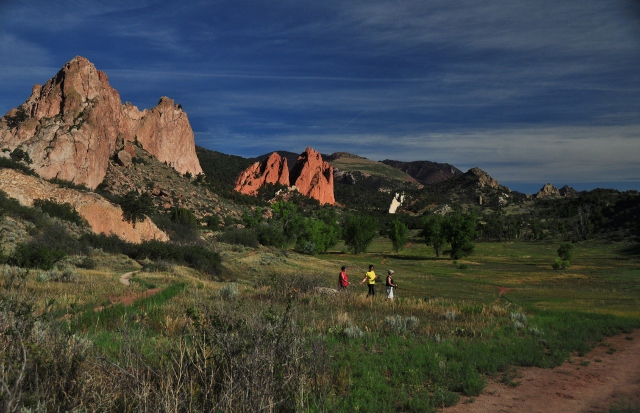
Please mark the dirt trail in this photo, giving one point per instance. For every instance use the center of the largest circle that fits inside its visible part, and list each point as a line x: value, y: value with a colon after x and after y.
x: 129, y: 299
x: 124, y: 278
x: 609, y: 374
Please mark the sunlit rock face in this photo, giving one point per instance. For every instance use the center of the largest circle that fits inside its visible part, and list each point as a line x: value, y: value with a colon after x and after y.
x: 273, y: 170
x: 103, y: 217
x: 310, y: 176
x: 313, y: 177
x: 72, y: 125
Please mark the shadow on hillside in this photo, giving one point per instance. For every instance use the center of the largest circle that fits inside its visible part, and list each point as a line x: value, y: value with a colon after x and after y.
x: 632, y: 250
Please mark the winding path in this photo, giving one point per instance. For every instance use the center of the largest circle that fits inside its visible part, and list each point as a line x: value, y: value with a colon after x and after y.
x: 124, y: 278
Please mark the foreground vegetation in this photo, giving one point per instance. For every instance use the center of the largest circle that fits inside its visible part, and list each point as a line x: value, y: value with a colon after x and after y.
x: 271, y: 340
x: 241, y: 315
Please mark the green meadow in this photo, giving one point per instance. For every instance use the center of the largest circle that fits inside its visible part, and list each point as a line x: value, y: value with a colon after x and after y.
x: 264, y: 336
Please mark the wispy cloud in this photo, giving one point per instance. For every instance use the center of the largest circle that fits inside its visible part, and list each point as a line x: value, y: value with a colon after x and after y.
x: 507, y: 85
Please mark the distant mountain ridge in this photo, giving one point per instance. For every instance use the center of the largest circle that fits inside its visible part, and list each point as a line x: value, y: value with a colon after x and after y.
x: 426, y: 172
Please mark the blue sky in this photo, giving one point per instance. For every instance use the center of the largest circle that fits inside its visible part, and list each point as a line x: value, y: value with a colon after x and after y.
x: 531, y: 91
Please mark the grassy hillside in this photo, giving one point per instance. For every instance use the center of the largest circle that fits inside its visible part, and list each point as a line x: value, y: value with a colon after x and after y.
x: 367, y: 166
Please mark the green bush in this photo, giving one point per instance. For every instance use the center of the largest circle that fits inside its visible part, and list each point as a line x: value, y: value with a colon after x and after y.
x: 240, y: 236
x: 35, y: 255
x: 212, y: 221
x: 64, y: 211
x: 19, y: 155
x: 271, y: 235
x: 87, y: 263
x: 229, y: 292
x: 184, y: 217
x: 446, y: 398
x: 20, y: 116
x: 19, y: 166
x: 193, y: 255
x: 358, y: 232
x: 177, y: 231
x: 136, y: 207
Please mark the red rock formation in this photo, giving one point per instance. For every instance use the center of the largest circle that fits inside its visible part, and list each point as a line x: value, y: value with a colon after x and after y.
x: 310, y: 176
x: 166, y: 133
x: 72, y: 125
x: 103, y: 216
x: 273, y: 170
x: 313, y: 177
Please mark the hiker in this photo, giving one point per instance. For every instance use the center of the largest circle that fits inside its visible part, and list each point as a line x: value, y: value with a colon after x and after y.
x: 343, y: 280
x: 390, y: 285
x: 371, y: 277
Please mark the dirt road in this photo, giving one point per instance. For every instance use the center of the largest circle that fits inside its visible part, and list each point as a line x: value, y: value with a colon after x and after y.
x: 591, y: 384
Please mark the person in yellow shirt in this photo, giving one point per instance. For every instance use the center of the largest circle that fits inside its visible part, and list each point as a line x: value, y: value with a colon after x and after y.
x: 371, y: 277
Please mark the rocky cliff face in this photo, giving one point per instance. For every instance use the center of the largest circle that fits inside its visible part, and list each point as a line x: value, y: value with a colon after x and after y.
x: 273, y: 170
x: 311, y: 176
x: 568, y: 191
x: 481, y: 178
x: 103, y: 216
x: 76, y: 121
x: 548, y: 191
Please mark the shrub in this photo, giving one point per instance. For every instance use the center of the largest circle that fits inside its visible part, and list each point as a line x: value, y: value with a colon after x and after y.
x: 271, y: 235
x: 446, y: 398
x: 559, y: 264
x: 184, y: 217
x: 229, y: 292
x: 212, y: 221
x: 155, y: 266
x: 20, y: 116
x: 353, y: 332
x: 34, y: 255
x: 400, y: 325
x: 240, y: 236
x: 64, y: 275
x: 565, y: 251
x: 19, y: 166
x: 195, y: 256
x: 19, y: 155
x: 135, y: 207
x: 12, y: 276
x: 64, y: 211
x: 87, y: 263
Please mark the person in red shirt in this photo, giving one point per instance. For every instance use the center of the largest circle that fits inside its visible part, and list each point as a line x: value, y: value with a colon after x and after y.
x: 343, y: 280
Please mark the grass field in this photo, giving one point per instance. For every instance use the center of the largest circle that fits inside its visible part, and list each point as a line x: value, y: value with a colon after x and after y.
x: 602, y: 278
x: 370, y: 167
x: 203, y: 344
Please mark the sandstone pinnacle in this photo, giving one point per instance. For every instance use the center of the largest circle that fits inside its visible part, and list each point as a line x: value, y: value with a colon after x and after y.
x: 72, y: 125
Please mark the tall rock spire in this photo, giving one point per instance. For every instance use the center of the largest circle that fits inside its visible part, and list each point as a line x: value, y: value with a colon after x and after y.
x: 71, y: 126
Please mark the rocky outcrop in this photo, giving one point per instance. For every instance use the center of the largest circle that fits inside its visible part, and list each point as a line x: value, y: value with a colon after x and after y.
x: 481, y: 178
x: 102, y: 216
x: 568, y: 192
x: 313, y: 177
x: 76, y: 121
x: 165, y: 132
x: 273, y: 170
x: 310, y: 176
x: 548, y: 191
